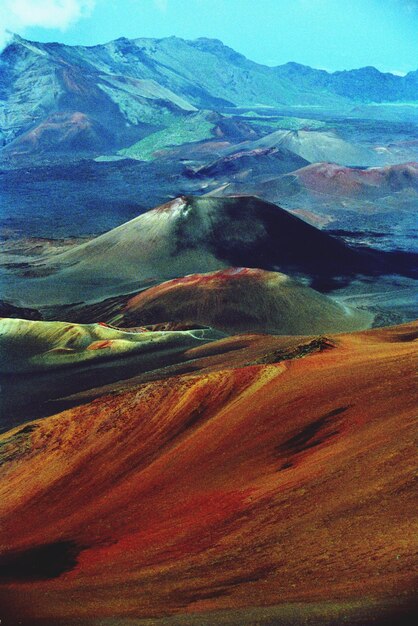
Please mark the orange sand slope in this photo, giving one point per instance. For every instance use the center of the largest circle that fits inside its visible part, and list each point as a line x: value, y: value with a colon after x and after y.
x: 258, y: 486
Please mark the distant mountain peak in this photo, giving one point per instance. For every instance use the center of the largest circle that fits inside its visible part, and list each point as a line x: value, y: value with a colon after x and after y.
x: 16, y: 43
x: 367, y: 69
x: 294, y: 65
x: 211, y: 42
x: 217, y: 46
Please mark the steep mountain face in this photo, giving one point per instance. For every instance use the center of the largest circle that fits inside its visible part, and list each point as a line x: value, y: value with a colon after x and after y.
x: 130, y: 88
x: 40, y: 80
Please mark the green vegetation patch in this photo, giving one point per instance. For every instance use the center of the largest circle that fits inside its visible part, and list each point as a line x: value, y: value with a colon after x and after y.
x: 189, y: 129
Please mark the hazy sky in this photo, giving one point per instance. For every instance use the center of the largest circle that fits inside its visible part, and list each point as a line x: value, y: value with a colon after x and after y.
x: 329, y: 34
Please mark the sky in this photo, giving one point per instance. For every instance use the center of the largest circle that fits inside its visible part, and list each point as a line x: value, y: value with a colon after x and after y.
x: 326, y: 34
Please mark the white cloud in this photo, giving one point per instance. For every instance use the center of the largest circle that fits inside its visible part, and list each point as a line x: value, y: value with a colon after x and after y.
x: 17, y: 15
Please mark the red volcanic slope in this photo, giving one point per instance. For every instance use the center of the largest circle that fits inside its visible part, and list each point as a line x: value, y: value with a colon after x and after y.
x: 62, y: 131
x: 330, y: 178
x: 248, y: 487
x: 242, y: 300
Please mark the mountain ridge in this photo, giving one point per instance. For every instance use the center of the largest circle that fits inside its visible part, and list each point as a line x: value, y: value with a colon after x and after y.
x: 202, y: 42
x: 132, y: 87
